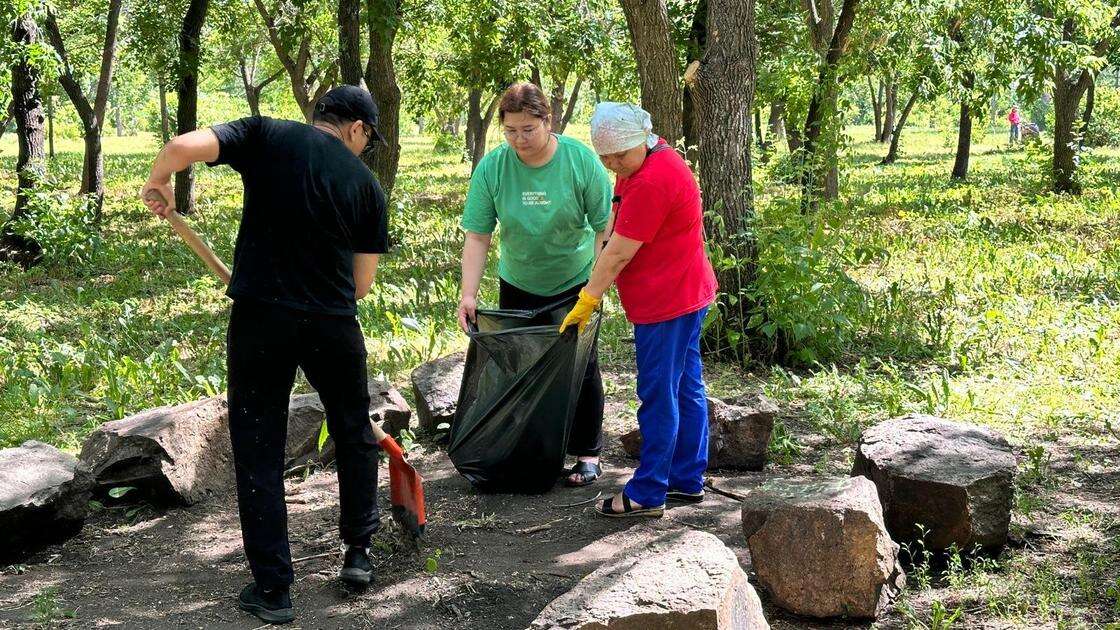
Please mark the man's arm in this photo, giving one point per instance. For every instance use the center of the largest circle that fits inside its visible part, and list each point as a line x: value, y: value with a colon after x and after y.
x: 200, y: 145
x: 365, y: 270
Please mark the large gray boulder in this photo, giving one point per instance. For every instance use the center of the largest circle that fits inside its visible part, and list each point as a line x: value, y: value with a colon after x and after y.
x: 436, y: 386
x: 180, y: 453
x: 306, y: 415
x: 820, y: 548
x: 953, y: 479
x: 44, y: 495
x: 738, y: 434
x: 687, y: 580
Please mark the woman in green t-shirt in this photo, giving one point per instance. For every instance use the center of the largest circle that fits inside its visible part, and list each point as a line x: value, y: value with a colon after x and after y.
x: 552, y: 197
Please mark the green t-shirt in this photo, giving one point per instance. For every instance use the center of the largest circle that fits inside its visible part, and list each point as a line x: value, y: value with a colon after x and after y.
x: 549, y: 214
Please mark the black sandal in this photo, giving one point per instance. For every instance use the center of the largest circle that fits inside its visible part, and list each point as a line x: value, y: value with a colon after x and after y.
x: 587, y: 471
x: 685, y: 497
x: 628, y: 509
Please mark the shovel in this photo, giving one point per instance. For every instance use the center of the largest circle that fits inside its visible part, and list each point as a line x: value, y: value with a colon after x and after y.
x: 406, y: 486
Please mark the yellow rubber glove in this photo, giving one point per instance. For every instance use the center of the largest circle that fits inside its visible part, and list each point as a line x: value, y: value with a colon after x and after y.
x: 581, y: 312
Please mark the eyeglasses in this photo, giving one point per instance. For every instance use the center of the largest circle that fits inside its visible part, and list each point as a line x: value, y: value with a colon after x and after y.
x: 370, y: 145
x: 512, y: 134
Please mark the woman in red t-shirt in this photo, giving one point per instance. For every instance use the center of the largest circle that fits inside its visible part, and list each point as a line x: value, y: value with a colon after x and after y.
x: 656, y: 258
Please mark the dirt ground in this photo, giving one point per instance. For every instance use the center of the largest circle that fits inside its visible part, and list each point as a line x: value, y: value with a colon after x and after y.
x: 488, y: 561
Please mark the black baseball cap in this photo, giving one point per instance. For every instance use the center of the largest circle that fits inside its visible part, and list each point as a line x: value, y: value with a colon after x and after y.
x: 350, y: 102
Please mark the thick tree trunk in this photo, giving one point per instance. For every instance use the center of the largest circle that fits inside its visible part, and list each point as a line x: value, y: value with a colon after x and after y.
x: 1067, y: 100
x: 776, y: 123
x: 964, y: 142
x: 892, y: 153
x: 876, y: 106
x: 164, y: 123
x: 658, y: 72
x: 381, y: 79
x: 350, y: 41
x: 723, y: 93
x: 186, y: 119
x: 820, y: 172
x: 27, y: 109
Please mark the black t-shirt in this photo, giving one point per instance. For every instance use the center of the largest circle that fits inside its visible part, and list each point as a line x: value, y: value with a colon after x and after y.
x: 310, y: 205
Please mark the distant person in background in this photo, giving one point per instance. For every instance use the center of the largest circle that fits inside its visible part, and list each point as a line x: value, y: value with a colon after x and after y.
x: 1013, y: 118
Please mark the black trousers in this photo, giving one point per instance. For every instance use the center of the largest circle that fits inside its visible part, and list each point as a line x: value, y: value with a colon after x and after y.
x: 586, y: 439
x: 265, y: 344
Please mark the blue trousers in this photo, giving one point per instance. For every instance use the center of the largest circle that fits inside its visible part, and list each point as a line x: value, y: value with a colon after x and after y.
x: 673, y: 416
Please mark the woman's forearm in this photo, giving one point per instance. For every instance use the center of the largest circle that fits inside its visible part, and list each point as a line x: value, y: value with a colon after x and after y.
x: 475, y: 249
x: 617, y: 254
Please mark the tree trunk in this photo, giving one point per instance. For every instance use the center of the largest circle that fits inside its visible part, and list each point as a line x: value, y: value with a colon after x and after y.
x: 889, y: 110
x: 27, y: 108
x: 92, y: 115
x: 892, y: 153
x: 1067, y: 99
x: 381, y: 79
x: 656, y: 53
x: 571, y: 107
x: 723, y: 94
x: 1087, y: 116
x: 186, y: 120
x: 793, y: 133
x: 876, y: 107
x: 776, y: 124
x: 164, y: 124
x: 820, y: 173
x: 478, y: 122
x: 556, y: 101
x: 50, y: 126
x: 118, y: 119
x: 757, y: 129
x: 964, y: 142
x: 349, y: 41
x: 697, y: 41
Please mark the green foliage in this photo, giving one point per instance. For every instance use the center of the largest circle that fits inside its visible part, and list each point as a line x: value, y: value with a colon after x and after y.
x: 64, y: 224
x: 1104, y: 128
x: 804, y: 304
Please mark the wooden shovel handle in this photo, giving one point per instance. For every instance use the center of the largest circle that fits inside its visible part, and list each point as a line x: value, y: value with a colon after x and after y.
x: 192, y: 239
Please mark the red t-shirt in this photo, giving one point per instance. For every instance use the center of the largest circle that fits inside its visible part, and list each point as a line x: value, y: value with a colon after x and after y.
x: 660, y: 206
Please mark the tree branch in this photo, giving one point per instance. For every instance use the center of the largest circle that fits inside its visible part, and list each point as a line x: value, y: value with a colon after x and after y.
x: 66, y: 76
x: 105, y: 79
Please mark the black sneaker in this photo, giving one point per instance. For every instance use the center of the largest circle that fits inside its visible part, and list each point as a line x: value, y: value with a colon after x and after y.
x: 273, y: 605
x: 684, y: 497
x: 357, y: 570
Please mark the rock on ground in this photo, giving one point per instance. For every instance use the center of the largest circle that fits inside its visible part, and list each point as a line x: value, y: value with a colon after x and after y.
x: 181, y: 453
x: 952, y: 479
x: 44, y: 495
x: 820, y: 548
x: 687, y: 579
x: 436, y: 385
x: 738, y: 434
x: 306, y: 415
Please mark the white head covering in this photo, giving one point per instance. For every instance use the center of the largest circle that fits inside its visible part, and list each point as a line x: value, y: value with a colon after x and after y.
x: 617, y: 127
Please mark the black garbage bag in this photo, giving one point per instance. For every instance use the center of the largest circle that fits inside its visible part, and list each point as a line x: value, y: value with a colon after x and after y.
x: 520, y: 385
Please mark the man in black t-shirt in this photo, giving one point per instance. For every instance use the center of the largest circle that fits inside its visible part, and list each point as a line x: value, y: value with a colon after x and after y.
x: 313, y: 225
